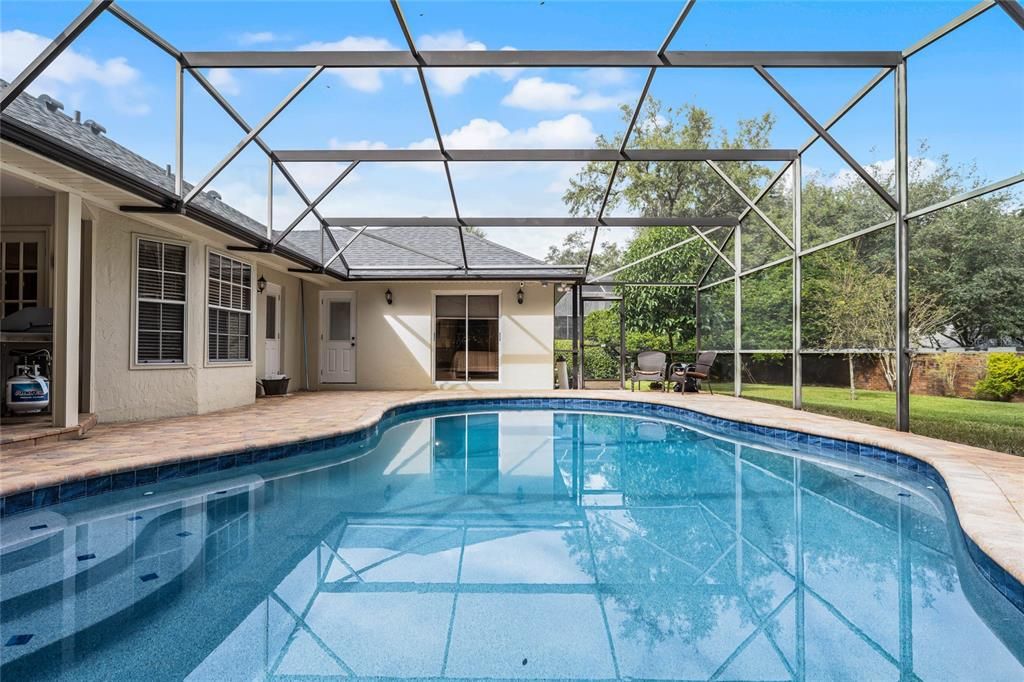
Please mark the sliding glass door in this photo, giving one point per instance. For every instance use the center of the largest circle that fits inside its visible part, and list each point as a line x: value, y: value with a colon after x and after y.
x: 466, y: 337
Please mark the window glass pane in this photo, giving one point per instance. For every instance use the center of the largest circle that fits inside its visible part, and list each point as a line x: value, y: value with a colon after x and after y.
x: 30, y: 254
x: 149, y: 284
x: 149, y: 316
x: 149, y: 254
x: 271, y: 317
x: 149, y: 346
x: 483, y: 306
x: 174, y: 286
x: 29, y: 291
x: 340, y: 322
x: 451, y: 306
x: 482, y: 358
x: 160, y: 325
x: 172, y: 346
x: 172, y: 318
x: 222, y: 347
x: 10, y: 308
x: 174, y: 258
x: 11, y: 289
x: 449, y: 350
x: 12, y: 255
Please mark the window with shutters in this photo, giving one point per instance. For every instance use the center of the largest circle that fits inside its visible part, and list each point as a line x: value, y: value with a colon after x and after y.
x: 229, y: 308
x: 161, y: 287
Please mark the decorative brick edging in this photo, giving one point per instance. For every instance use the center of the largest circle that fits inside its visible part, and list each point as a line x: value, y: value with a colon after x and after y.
x: 49, y: 435
x: 833, y: 448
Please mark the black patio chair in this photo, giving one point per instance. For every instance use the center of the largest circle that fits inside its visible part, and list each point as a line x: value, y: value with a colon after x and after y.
x: 700, y: 370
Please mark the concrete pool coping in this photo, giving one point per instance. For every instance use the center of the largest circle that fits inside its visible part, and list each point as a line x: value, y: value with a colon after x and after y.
x: 986, y: 487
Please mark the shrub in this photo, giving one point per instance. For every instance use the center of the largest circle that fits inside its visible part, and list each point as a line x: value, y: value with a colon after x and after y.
x: 598, y: 363
x: 1005, y: 377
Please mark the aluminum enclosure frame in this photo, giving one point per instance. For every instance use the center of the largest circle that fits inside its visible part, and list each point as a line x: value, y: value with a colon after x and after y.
x: 889, y: 62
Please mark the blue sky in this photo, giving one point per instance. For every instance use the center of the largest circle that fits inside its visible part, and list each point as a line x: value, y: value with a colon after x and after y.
x: 967, y: 91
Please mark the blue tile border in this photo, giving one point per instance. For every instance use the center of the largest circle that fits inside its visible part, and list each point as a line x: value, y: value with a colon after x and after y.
x: 824, y: 446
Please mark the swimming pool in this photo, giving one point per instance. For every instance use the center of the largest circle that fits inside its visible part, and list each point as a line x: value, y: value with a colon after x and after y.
x: 501, y: 541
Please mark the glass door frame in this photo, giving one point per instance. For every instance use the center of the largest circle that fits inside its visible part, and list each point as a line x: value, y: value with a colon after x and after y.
x: 498, y: 293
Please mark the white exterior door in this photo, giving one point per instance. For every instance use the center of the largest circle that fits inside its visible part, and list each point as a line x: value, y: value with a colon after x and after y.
x: 272, y: 330
x: 338, y: 338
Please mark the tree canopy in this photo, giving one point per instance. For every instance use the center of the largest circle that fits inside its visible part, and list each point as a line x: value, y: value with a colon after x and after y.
x: 967, y: 261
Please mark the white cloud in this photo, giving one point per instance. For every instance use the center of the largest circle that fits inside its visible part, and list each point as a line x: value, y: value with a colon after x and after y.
x: 364, y: 80
x: 448, y: 81
x: 452, y: 81
x: 537, y: 94
x: 335, y: 143
x: 224, y: 81
x: 257, y: 38
x: 570, y: 131
x: 920, y: 168
x: 604, y: 76
x: 121, y: 80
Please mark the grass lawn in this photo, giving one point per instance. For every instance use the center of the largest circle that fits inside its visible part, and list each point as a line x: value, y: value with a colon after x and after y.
x: 986, y: 424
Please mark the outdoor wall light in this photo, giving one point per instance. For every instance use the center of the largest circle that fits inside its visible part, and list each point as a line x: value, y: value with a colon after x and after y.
x: 261, y: 284
x: 388, y: 297
x: 519, y: 296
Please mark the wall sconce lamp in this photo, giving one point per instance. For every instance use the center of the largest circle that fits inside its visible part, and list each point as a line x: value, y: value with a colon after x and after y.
x: 388, y: 296
x: 261, y: 284
x: 519, y: 296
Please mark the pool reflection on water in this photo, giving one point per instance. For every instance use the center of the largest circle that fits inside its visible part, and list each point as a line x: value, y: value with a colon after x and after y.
x: 518, y: 543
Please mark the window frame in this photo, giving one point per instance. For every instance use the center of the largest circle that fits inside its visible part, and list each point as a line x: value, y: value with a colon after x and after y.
x: 22, y: 234
x: 161, y: 364
x: 207, y: 362
x: 499, y: 294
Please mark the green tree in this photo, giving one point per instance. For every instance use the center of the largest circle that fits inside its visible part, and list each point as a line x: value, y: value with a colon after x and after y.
x: 576, y: 246
x: 666, y: 189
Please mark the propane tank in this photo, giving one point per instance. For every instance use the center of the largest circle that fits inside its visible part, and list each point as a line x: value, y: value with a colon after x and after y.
x: 28, y: 390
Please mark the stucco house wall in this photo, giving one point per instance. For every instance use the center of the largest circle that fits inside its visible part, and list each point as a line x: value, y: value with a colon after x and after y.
x: 127, y: 393
x: 394, y: 342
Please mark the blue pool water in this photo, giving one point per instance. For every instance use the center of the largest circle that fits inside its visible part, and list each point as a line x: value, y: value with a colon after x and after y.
x: 509, y: 543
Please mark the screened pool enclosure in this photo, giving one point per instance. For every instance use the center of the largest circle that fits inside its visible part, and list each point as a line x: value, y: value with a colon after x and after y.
x: 731, y: 275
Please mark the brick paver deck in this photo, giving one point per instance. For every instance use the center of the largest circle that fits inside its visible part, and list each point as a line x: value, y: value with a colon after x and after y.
x: 987, y: 488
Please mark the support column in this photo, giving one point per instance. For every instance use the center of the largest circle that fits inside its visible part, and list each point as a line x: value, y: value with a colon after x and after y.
x: 270, y: 198
x: 623, y: 353
x: 737, y: 314
x: 577, y: 364
x: 67, y: 263
x: 902, y: 255
x: 798, y: 385
x: 696, y: 316
x: 179, y: 131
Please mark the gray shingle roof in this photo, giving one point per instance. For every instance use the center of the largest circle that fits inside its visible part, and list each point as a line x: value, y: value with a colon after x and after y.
x: 31, y: 111
x: 436, y: 246
x: 440, y: 244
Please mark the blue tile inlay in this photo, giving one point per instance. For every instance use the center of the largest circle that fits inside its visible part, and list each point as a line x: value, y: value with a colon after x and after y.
x: 37, y: 527
x: 125, y: 479
x: 149, y: 576
x: 18, y: 640
x: 86, y: 557
x: 135, y: 518
x: 183, y: 534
